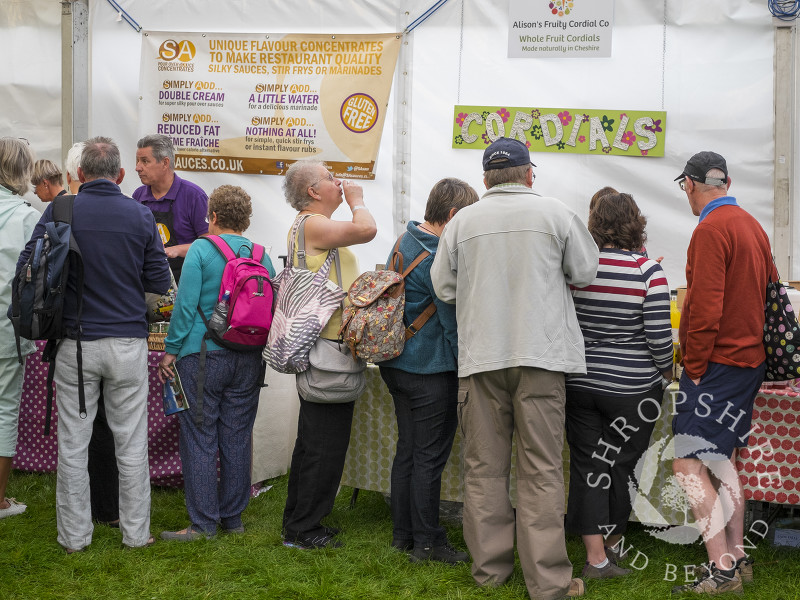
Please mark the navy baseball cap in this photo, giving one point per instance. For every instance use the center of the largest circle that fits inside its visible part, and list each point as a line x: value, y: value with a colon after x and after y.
x: 504, y: 153
x: 700, y: 164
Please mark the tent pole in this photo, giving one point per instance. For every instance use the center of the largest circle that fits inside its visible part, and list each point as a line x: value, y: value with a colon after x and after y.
x: 74, y: 73
x: 784, y: 149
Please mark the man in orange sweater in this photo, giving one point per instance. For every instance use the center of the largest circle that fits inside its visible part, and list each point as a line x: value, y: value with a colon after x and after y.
x: 728, y: 264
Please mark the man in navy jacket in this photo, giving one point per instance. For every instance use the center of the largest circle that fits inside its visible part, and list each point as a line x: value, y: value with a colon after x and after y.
x: 123, y: 258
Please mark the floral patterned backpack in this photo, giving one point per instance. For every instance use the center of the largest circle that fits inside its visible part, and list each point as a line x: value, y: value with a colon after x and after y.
x: 372, y: 325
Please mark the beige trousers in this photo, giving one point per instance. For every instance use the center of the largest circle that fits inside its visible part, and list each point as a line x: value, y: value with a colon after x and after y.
x: 527, y: 403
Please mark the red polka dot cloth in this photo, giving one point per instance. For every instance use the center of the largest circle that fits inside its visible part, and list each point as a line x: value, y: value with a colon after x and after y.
x: 769, y: 467
x: 39, y: 453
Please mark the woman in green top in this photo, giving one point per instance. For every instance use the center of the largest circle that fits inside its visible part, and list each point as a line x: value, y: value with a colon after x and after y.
x: 230, y: 393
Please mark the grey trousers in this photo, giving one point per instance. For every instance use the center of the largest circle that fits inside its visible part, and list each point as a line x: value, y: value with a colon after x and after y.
x: 122, y: 365
x: 528, y: 404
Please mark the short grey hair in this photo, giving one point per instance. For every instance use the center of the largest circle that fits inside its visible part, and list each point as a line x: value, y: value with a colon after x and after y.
x: 713, y: 174
x: 16, y: 165
x: 73, y: 160
x: 509, y: 175
x: 100, y: 159
x: 162, y: 147
x: 299, y: 177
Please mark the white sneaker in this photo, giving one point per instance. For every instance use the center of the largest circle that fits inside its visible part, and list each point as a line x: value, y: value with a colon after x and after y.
x: 15, y: 508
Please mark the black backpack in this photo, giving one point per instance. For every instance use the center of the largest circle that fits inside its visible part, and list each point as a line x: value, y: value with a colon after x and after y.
x: 37, y: 295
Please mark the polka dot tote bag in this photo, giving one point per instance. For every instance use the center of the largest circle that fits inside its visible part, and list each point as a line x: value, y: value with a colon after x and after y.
x: 781, y: 334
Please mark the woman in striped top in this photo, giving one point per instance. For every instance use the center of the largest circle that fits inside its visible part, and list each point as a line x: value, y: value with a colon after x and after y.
x: 611, y: 411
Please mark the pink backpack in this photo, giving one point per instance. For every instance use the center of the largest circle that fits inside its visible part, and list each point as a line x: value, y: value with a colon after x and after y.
x: 249, y: 311
x: 250, y: 304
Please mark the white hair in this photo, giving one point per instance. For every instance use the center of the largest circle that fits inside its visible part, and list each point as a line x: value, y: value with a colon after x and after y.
x: 73, y: 160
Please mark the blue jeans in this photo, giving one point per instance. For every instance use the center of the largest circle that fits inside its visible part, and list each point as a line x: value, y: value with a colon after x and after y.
x: 425, y: 406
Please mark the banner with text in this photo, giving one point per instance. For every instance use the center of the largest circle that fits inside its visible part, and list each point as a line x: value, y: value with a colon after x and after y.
x: 560, y: 28
x: 570, y: 130
x: 256, y: 103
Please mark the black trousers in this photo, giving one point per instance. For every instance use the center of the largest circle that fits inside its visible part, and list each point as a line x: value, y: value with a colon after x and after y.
x: 425, y: 407
x: 603, y: 457
x: 323, y: 436
x: 103, y: 472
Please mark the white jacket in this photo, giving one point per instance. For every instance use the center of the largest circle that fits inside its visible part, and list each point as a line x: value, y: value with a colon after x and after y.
x: 17, y: 220
x: 507, y: 263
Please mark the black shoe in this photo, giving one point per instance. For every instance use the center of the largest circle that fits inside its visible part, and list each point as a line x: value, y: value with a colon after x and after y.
x: 403, y: 545
x: 312, y: 542
x: 331, y: 531
x: 444, y: 553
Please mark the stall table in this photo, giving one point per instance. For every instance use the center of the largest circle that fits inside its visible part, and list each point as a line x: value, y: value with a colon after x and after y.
x: 273, y: 433
x: 373, y: 439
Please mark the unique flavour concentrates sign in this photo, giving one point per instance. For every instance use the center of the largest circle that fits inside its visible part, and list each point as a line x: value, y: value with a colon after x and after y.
x: 560, y: 28
x: 255, y: 103
x: 569, y: 130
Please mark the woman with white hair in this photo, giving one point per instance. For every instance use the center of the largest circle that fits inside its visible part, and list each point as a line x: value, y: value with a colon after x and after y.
x: 71, y: 164
x: 323, y: 430
x: 17, y: 220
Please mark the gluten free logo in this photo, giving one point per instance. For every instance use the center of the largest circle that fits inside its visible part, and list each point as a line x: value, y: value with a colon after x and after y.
x: 359, y: 112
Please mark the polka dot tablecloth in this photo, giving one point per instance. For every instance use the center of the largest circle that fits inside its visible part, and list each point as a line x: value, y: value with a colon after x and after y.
x: 37, y: 452
x: 769, y: 467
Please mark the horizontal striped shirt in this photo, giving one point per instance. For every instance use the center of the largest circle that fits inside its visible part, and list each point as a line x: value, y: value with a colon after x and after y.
x: 624, y: 318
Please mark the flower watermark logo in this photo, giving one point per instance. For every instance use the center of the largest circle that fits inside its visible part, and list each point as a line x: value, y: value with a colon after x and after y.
x: 660, y: 507
x: 683, y: 506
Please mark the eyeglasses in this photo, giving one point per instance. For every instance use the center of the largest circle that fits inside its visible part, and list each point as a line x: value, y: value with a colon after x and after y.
x: 682, y: 184
x: 26, y: 141
x: 329, y: 177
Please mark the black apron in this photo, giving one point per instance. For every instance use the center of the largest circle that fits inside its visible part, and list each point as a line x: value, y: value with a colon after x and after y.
x: 166, y: 228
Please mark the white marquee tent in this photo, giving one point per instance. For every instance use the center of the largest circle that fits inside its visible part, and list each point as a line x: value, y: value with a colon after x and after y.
x: 710, y: 65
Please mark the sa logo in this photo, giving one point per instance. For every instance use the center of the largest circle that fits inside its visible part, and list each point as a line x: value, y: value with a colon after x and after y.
x: 183, y: 50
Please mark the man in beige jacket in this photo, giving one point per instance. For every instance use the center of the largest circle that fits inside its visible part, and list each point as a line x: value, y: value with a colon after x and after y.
x: 507, y: 263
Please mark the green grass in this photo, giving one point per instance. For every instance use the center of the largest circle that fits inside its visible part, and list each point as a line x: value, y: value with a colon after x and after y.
x: 255, y: 564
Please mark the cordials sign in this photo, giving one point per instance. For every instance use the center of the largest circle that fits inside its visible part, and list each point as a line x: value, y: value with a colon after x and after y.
x: 569, y: 130
x: 255, y: 103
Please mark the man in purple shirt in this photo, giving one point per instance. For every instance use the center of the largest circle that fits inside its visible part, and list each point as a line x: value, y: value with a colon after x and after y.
x: 179, y: 206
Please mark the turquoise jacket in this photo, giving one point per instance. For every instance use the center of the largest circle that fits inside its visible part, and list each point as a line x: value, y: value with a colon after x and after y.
x: 200, y: 281
x: 434, y: 349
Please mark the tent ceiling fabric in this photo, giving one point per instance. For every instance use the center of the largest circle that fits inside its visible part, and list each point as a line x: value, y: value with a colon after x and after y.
x: 718, y: 95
